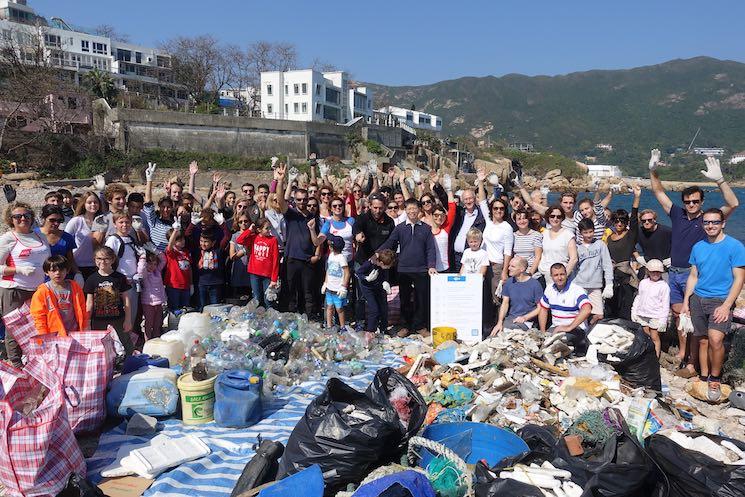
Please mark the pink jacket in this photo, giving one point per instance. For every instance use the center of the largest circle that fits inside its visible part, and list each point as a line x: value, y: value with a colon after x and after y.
x: 153, y: 290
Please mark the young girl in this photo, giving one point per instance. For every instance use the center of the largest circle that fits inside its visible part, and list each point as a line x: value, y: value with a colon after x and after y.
x: 210, y: 270
x: 240, y: 280
x: 337, y: 281
x: 475, y: 260
x: 263, y: 265
x: 178, y: 270
x: 107, y: 298
x: 153, y: 296
x: 652, y: 304
x: 373, y: 277
x: 59, y: 306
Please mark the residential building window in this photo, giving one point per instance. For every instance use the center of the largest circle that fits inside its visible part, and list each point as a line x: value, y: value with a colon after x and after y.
x: 287, y: 89
x: 287, y: 108
x: 269, y: 109
x: 100, y: 48
x: 269, y: 90
x: 305, y: 108
x: 318, y: 92
x: 332, y: 96
x: 410, y: 117
x: 296, y: 88
x: 85, y: 45
x: 295, y: 107
x: 305, y: 88
x: 318, y: 108
x: 138, y: 57
x: 52, y: 40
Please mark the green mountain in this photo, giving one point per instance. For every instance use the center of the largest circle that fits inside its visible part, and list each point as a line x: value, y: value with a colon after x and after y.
x: 634, y: 110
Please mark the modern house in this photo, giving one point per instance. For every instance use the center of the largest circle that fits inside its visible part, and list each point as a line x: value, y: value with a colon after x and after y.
x: 603, y: 171
x: 309, y: 95
x: 709, y: 151
x: 414, y: 118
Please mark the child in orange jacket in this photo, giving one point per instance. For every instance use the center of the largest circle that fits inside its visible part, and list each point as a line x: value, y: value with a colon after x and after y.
x: 58, y: 306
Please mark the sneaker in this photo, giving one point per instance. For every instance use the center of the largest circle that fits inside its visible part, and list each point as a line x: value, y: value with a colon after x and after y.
x: 423, y: 332
x: 403, y: 333
x: 714, y: 392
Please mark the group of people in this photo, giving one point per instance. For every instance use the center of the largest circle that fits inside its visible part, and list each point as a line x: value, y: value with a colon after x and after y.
x: 337, y: 249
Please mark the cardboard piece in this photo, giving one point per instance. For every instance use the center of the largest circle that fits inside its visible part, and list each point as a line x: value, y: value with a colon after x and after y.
x: 126, y: 486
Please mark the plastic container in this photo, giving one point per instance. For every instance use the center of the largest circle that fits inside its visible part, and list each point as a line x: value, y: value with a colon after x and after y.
x: 442, y: 334
x: 149, y: 390
x: 217, y: 309
x: 171, y: 350
x: 139, y: 361
x: 197, y: 399
x: 238, y: 401
x: 474, y: 442
x: 195, y: 323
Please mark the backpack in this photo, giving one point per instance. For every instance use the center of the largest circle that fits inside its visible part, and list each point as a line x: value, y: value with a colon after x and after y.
x: 134, y: 243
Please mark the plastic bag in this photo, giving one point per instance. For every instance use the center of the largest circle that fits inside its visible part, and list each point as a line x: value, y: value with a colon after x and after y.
x: 694, y: 474
x: 639, y: 365
x: 486, y: 484
x: 262, y: 467
x: 389, y: 385
x: 347, y: 432
x: 78, y: 486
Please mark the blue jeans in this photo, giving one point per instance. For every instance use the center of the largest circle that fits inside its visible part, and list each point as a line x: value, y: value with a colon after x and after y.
x: 376, y: 307
x: 209, y: 294
x: 177, y: 299
x: 259, y: 284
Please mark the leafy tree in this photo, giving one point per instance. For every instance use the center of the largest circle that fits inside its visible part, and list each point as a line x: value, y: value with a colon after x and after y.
x: 101, y: 84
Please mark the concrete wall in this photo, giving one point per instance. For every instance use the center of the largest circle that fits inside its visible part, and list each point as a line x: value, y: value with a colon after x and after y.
x: 143, y: 129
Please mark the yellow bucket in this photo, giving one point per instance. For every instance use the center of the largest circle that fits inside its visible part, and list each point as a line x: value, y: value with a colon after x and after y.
x: 443, y: 334
x: 197, y: 399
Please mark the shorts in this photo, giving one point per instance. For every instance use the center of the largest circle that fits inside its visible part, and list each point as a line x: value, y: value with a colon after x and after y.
x: 595, y: 296
x: 332, y: 298
x: 677, y: 283
x: 648, y: 322
x: 702, y: 315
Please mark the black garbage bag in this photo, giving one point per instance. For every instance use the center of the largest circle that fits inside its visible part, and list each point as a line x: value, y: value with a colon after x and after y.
x: 412, y: 413
x: 487, y: 485
x: 694, y: 474
x: 275, y: 347
x: 619, y: 468
x: 639, y: 365
x: 348, y: 433
x: 78, y: 486
x: 262, y: 467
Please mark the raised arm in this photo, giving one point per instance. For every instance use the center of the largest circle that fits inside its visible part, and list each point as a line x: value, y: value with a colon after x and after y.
x: 656, y: 183
x: 279, y: 176
x: 537, y: 206
x: 312, y: 166
x: 402, y: 184
x: 572, y: 263
x: 149, y: 174
x: 193, y: 170
x: 481, y: 176
x: 714, y: 173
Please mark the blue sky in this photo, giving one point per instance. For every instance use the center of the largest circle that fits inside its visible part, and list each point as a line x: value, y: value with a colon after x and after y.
x: 418, y: 42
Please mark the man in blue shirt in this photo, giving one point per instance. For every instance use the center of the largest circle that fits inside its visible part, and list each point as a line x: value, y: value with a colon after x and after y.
x: 687, y: 230
x: 416, y: 260
x: 520, y: 295
x: 714, y: 283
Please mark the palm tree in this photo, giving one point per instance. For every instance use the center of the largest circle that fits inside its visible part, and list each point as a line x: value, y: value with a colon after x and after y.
x: 101, y: 84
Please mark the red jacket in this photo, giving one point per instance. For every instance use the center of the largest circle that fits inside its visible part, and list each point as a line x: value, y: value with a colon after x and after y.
x: 264, y: 258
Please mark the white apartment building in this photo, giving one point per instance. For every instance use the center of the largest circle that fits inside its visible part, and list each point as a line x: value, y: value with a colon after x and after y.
x: 603, y: 171
x: 136, y: 69
x: 414, y: 118
x: 737, y: 158
x: 708, y: 151
x: 308, y: 95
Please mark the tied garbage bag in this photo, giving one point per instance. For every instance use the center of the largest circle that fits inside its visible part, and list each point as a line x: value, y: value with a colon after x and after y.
x: 347, y: 432
x: 262, y: 467
x: 694, y: 474
x: 638, y: 365
x: 486, y: 484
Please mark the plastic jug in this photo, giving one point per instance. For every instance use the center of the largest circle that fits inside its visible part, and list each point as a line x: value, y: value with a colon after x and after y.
x: 195, y: 323
x: 171, y: 350
x: 139, y: 361
x: 238, y: 399
x: 149, y: 390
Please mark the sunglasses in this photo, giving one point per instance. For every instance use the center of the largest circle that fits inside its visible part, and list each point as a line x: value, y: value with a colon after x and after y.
x: 554, y: 216
x: 497, y: 208
x: 715, y: 223
x: 428, y: 201
x: 55, y: 220
x: 18, y: 217
x: 312, y: 205
x: 325, y: 194
x: 302, y: 199
x: 392, y: 207
x: 692, y: 202
x: 650, y: 221
x: 439, y: 214
x: 243, y: 221
x: 337, y: 206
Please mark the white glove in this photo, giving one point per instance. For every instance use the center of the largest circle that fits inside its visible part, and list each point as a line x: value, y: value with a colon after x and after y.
x: 25, y: 270
x: 447, y: 182
x: 713, y: 170
x: 493, y: 179
x: 139, y: 250
x: 150, y: 247
x: 634, y: 318
x: 662, y: 328
x: 100, y: 223
x: 293, y: 173
x: 595, y: 183
x: 219, y: 218
x: 498, y: 291
x: 641, y: 260
x: 667, y: 262
x: 342, y: 293
x: 517, y: 181
x: 387, y: 287
x: 136, y: 223
x: 545, y: 191
x: 323, y: 289
x: 416, y: 176
x: 654, y: 159
x: 372, y: 276
x: 372, y: 165
x: 99, y: 183
x: 410, y: 184
x: 353, y: 174
x: 685, y: 324
x: 176, y: 224
x: 615, y: 188
x: 608, y: 292
x: 323, y: 169
x: 274, y: 162
x: 363, y: 171
x: 195, y: 217
x: 78, y: 278
x: 150, y: 171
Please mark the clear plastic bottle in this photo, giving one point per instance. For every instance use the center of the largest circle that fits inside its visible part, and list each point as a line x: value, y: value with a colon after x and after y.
x: 197, y: 354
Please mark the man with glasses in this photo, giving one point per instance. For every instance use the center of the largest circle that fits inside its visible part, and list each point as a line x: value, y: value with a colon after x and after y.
x: 248, y: 190
x: 654, y: 239
x: 687, y: 230
x: 714, y: 283
x: 467, y: 216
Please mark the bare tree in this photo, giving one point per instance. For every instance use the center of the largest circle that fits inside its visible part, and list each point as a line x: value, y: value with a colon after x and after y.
x: 262, y: 56
x: 111, y: 32
x: 200, y: 64
x: 323, y: 66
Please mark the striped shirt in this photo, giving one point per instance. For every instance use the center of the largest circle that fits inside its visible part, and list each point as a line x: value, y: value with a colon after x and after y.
x: 526, y: 244
x: 564, y: 304
x: 158, y: 227
x: 599, y: 222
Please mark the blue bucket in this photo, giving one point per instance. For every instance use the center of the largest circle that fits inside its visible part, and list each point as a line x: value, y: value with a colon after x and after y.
x: 473, y: 442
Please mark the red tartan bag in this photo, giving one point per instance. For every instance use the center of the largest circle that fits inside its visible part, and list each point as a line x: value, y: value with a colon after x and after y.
x: 38, y: 451
x: 83, y: 362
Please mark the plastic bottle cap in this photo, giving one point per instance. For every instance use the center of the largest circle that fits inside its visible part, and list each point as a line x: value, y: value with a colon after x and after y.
x: 253, y: 380
x: 196, y: 341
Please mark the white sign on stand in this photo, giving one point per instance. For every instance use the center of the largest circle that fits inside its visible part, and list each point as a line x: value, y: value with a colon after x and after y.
x: 456, y: 302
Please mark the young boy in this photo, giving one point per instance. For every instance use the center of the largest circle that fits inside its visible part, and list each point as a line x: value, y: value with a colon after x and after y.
x: 58, y: 306
x: 475, y: 260
x: 593, y: 261
x: 107, y: 294
x: 337, y: 281
x: 178, y: 270
x: 373, y: 277
x: 210, y: 270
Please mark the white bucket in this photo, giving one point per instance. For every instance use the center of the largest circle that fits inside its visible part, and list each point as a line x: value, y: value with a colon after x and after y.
x: 172, y: 350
